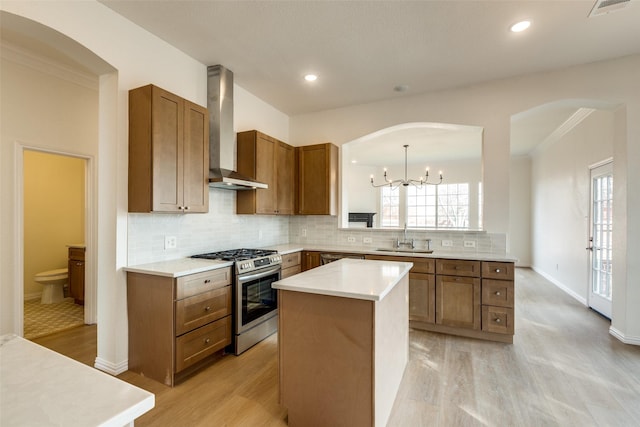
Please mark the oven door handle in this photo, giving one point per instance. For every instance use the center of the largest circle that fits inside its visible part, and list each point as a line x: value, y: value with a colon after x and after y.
x: 259, y: 275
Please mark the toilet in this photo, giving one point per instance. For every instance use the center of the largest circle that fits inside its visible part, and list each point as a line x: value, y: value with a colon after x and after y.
x: 53, y: 282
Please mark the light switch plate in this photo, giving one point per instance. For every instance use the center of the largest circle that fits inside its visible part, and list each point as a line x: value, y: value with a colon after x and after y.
x: 469, y: 243
x: 447, y: 243
x: 351, y: 239
x: 367, y: 240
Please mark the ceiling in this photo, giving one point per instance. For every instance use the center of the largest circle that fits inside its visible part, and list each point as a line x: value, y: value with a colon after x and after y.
x: 361, y: 50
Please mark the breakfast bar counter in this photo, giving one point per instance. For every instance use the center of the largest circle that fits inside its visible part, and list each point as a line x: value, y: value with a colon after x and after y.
x: 343, y: 342
x: 40, y: 387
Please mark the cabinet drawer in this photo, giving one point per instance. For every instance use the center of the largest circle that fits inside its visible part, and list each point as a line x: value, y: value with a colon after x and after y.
x: 288, y: 272
x: 290, y: 260
x: 497, y: 319
x: 194, y: 284
x: 497, y: 270
x: 457, y: 267
x: 420, y: 265
x: 497, y: 292
x: 201, y: 309
x: 204, y: 341
x: 76, y: 254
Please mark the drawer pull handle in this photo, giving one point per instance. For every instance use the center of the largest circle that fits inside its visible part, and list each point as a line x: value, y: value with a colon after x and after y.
x: 207, y: 340
x: 498, y: 320
x: 497, y: 270
x: 207, y: 308
x: 498, y: 293
x: 207, y: 281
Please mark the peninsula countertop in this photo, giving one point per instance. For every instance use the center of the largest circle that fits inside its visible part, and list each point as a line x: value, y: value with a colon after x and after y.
x: 40, y: 387
x: 348, y: 278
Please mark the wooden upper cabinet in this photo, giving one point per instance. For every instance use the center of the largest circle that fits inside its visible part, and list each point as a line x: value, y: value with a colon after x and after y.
x: 318, y: 179
x: 168, y: 153
x: 272, y: 162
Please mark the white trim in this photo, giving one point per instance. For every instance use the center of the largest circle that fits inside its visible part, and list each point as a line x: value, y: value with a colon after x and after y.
x: 622, y: 337
x: 48, y: 66
x: 568, y: 125
x: 111, y: 368
x: 563, y: 287
x: 601, y: 163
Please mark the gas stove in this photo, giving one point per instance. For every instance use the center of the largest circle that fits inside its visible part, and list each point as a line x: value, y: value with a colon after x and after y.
x: 246, y: 260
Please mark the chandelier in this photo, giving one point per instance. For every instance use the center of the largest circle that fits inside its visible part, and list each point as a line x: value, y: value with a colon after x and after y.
x: 395, y: 183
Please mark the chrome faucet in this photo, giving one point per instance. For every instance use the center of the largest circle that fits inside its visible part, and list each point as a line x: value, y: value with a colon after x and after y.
x: 405, y: 242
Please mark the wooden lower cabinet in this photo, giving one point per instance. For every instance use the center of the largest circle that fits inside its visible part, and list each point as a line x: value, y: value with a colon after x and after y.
x: 178, y: 324
x: 422, y: 292
x: 460, y: 297
x: 458, y: 302
x: 76, y: 268
x: 310, y: 259
x: 291, y: 264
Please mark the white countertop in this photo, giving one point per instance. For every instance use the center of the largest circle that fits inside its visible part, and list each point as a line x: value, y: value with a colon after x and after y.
x: 348, y: 278
x: 178, y: 267
x: 40, y: 387
x: 477, y: 256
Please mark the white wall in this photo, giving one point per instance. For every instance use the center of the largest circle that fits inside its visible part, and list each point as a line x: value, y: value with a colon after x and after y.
x: 560, y: 201
x: 519, y: 236
x: 128, y: 57
x: 490, y: 105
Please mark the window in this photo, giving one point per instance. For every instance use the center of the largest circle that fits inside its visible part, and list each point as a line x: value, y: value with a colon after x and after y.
x: 441, y: 206
x: 390, y: 212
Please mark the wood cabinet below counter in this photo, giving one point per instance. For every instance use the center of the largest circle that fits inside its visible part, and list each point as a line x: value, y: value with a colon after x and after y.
x: 177, y: 324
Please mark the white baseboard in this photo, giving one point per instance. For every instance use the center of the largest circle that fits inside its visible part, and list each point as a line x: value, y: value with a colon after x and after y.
x: 582, y: 300
x: 111, y: 368
x: 33, y: 296
x: 622, y: 337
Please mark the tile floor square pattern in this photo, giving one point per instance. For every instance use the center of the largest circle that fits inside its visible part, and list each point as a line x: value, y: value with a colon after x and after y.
x: 44, y: 319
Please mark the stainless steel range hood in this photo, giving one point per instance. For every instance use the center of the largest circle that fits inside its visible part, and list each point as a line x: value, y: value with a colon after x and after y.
x: 222, y: 137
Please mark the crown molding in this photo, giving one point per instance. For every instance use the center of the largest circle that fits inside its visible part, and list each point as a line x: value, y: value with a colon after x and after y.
x: 19, y: 55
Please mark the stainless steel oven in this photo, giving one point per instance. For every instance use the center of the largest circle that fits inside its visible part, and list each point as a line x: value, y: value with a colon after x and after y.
x: 255, y: 302
x: 256, y: 314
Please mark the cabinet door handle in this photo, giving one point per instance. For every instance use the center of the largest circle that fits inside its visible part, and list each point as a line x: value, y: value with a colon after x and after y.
x: 498, y: 320
x: 207, y: 340
x: 186, y: 208
x: 79, y: 264
x: 497, y: 270
x: 207, y: 308
x: 207, y: 281
x: 497, y: 293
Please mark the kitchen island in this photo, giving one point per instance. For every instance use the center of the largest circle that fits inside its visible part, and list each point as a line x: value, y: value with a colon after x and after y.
x: 343, y: 342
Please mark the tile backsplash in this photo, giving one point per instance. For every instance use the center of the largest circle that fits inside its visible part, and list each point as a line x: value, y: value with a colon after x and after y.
x: 324, y: 230
x: 221, y: 229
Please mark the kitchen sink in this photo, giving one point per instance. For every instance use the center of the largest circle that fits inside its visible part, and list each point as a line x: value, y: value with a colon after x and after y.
x: 410, y: 251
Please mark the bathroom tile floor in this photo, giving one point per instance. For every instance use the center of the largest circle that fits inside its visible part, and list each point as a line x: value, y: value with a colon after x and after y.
x: 44, y: 319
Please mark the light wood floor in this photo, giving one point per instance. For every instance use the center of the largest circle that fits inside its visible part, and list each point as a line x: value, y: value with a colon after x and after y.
x: 563, y: 369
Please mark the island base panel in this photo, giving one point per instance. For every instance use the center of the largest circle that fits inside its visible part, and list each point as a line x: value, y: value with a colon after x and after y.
x: 326, y: 359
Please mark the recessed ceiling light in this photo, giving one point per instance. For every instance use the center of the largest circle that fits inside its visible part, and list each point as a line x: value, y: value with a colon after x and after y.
x: 520, y: 26
x: 311, y: 77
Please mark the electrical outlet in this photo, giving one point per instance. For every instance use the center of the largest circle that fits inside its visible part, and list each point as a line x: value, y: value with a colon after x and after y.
x: 367, y: 240
x: 351, y: 239
x: 447, y: 243
x: 303, y: 232
x: 170, y: 242
x: 469, y: 243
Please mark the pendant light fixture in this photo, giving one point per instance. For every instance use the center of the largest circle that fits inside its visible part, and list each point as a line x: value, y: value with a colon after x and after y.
x: 395, y: 183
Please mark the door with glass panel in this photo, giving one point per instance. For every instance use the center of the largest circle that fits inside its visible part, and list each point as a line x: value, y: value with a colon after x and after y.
x: 600, y: 240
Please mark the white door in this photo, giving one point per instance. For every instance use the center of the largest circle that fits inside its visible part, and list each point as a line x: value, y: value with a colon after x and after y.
x: 600, y: 239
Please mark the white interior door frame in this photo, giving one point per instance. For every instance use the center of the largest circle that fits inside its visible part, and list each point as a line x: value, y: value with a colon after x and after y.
x: 599, y: 295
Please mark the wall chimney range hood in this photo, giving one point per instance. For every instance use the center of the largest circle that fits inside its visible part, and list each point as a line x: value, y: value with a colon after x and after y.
x: 222, y: 137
